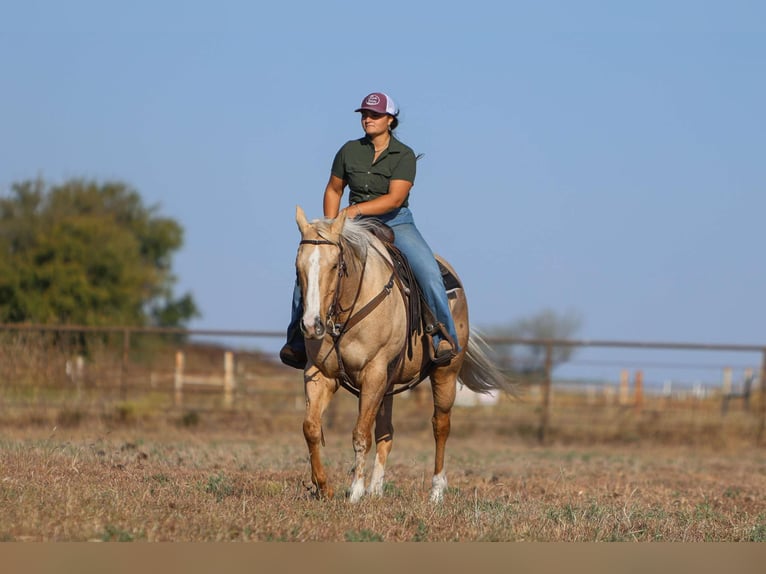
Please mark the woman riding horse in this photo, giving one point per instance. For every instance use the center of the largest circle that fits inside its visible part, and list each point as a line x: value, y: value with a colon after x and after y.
x: 358, y: 332
x: 380, y: 172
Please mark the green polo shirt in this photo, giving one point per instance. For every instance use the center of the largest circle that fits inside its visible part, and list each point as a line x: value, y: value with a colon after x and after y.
x: 367, y: 180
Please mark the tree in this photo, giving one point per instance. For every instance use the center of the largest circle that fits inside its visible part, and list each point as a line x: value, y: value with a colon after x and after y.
x: 90, y: 254
x: 546, y: 324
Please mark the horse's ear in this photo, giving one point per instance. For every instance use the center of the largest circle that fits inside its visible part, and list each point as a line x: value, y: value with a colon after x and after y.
x: 300, y: 219
x: 337, y: 225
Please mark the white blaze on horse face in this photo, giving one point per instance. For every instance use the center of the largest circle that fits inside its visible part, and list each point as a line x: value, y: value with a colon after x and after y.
x: 312, y: 302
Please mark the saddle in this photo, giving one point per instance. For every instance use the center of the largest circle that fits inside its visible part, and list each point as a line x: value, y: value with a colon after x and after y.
x: 420, y: 317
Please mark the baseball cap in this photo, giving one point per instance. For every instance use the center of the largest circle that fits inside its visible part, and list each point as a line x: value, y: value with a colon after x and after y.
x: 378, y: 102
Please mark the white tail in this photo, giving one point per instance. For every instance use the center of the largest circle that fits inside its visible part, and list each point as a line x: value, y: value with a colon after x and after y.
x: 478, y: 373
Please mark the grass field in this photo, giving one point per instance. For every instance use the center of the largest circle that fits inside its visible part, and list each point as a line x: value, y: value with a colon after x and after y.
x: 99, y: 462
x: 160, y: 480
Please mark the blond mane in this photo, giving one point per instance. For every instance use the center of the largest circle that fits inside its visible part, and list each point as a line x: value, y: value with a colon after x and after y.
x: 356, y: 235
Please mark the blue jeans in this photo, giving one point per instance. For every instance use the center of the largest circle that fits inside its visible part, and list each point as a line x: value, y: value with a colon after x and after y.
x: 424, y: 267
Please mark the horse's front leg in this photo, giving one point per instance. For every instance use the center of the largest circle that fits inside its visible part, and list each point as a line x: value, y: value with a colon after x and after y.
x: 373, y: 387
x: 384, y: 437
x: 319, y: 391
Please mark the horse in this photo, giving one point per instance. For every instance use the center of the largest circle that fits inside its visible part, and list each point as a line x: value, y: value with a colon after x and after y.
x: 356, y: 334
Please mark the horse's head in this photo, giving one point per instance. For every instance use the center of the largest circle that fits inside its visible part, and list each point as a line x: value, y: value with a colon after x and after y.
x: 319, y: 264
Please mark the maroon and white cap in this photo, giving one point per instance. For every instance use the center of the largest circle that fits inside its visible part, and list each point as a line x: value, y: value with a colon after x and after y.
x: 378, y: 102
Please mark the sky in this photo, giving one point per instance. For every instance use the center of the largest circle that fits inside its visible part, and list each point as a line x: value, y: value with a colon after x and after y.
x: 592, y: 157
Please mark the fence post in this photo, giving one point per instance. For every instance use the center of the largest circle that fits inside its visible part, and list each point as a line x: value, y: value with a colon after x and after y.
x: 639, y: 391
x: 74, y: 370
x: 763, y: 396
x: 228, y: 379
x: 178, y: 382
x: 124, y: 369
x: 622, y: 399
x: 546, y: 392
x: 726, y: 381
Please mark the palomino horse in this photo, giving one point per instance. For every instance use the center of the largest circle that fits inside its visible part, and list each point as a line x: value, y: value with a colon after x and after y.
x: 356, y: 333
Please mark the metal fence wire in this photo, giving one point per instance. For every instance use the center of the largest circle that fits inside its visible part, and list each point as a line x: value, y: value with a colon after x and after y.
x: 648, y: 388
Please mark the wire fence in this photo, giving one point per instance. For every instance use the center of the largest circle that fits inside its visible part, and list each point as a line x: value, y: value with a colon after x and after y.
x: 606, y: 388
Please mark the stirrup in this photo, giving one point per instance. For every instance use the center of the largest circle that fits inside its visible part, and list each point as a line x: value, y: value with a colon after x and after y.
x: 444, y: 353
x: 447, y: 349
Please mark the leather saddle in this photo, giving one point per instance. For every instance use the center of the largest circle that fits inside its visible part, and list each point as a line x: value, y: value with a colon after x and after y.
x: 420, y: 317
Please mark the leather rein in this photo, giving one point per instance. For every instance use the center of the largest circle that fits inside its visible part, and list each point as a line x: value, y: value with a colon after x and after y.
x: 336, y: 329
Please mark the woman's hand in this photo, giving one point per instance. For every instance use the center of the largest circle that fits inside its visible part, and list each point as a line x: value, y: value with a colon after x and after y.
x: 398, y: 189
x: 352, y: 211
x: 397, y: 194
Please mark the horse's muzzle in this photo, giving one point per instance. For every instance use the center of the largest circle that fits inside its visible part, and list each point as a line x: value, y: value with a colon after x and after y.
x: 318, y: 330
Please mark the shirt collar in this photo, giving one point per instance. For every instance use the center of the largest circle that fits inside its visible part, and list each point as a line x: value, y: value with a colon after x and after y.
x: 394, y: 145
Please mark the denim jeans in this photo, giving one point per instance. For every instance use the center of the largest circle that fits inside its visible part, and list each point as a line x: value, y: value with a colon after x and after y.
x: 424, y: 267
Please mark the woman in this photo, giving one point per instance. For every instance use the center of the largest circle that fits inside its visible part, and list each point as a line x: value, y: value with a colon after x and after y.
x: 380, y: 171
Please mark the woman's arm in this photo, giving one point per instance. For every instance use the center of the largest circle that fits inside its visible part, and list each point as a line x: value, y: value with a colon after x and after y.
x: 397, y: 193
x: 332, y: 195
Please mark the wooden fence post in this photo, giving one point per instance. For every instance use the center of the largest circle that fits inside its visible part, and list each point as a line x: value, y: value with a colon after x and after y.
x: 124, y: 369
x: 726, y: 381
x: 544, y: 414
x: 747, y: 388
x: 639, y: 391
x: 228, y: 379
x: 762, y: 426
x: 622, y: 399
x: 75, y: 370
x: 179, y: 378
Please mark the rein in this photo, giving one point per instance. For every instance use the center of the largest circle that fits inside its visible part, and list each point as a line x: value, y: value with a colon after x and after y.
x: 337, y: 330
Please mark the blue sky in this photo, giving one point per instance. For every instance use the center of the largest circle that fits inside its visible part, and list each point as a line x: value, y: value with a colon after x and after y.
x: 605, y: 158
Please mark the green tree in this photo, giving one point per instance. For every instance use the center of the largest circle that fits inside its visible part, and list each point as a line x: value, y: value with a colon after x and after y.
x: 547, y: 324
x: 87, y: 253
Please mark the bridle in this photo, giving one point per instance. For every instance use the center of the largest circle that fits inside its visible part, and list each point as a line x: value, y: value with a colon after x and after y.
x: 337, y: 329
x: 334, y: 310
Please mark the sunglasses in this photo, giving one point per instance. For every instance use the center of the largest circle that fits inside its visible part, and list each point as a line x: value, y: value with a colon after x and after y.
x: 372, y: 115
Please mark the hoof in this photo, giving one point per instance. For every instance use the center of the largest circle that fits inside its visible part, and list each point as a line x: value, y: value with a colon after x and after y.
x: 438, y: 486
x: 356, y: 492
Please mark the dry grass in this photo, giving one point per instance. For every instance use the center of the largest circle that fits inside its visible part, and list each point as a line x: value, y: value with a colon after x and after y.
x: 94, y: 462
x: 175, y: 484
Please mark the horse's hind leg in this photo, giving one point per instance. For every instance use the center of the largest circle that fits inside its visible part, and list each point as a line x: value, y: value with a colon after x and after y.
x: 319, y: 392
x: 384, y: 435
x: 443, y: 386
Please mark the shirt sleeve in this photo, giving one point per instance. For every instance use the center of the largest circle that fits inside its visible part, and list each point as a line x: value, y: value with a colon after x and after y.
x: 339, y: 165
x: 405, y: 168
